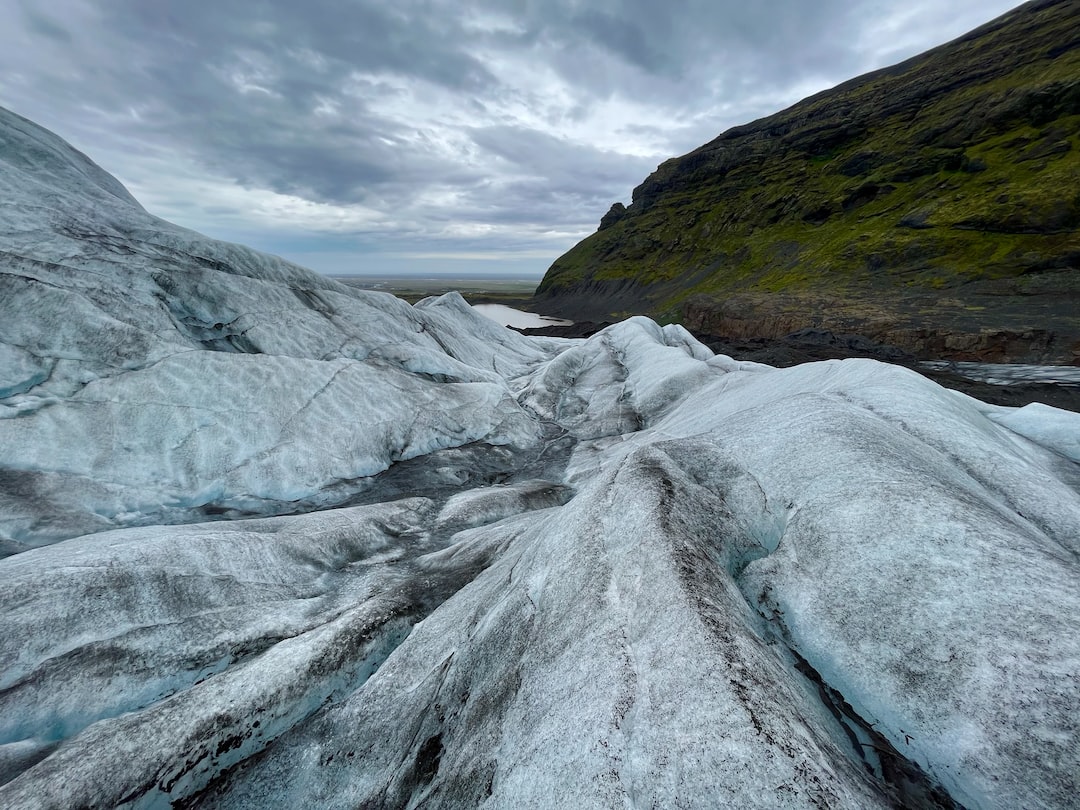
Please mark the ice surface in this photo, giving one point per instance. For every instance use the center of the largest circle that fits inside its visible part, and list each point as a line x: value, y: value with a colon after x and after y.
x: 619, y: 380
x: 609, y: 572
x: 1053, y: 428
x: 148, y: 374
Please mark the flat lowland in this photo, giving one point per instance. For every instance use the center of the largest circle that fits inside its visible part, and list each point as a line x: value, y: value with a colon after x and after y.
x: 512, y: 291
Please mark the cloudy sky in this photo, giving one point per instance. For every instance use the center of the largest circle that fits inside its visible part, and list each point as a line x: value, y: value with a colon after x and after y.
x: 395, y: 136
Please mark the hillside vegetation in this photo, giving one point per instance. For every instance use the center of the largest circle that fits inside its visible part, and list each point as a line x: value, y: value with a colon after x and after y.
x: 899, y: 197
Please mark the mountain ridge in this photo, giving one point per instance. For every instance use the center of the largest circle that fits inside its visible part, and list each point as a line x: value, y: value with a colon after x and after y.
x: 931, y: 204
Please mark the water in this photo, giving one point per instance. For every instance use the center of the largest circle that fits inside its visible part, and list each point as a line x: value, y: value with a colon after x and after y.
x: 508, y: 316
x: 1010, y: 373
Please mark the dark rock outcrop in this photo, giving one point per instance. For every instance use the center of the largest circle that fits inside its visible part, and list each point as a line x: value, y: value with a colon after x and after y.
x: 923, y: 326
x: 614, y: 214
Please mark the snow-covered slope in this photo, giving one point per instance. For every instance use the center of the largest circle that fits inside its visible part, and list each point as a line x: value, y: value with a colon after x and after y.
x: 602, y: 573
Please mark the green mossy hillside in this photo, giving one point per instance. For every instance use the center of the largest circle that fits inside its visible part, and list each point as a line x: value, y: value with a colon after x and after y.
x: 958, y: 166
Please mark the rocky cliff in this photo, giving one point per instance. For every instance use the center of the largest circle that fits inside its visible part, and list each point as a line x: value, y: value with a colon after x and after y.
x: 933, y: 204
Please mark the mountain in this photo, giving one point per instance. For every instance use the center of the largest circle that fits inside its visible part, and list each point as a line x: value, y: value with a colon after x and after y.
x: 932, y: 205
x: 275, y: 542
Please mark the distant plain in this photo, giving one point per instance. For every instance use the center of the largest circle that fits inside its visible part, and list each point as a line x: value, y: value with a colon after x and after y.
x: 478, y: 288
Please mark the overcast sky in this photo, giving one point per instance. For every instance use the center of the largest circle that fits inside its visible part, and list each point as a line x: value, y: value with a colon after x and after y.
x: 372, y: 136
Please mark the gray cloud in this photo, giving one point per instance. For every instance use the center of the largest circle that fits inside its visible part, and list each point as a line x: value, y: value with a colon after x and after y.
x: 415, y: 125
x: 42, y: 25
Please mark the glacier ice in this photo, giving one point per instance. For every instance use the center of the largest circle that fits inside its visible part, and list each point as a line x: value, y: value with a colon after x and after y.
x: 1049, y: 426
x: 154, y: 339
x: 273, y: 541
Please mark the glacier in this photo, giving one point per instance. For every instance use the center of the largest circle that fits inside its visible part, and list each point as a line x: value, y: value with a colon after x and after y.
x: 273, y: 541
